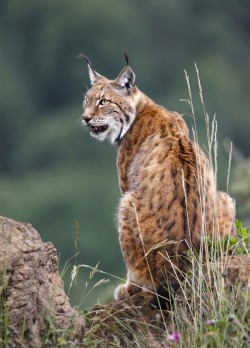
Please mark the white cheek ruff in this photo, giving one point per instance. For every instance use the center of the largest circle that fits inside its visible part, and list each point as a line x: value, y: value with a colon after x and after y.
x: 118, y: 129
x: 99, y: 136
x: 111, y: 127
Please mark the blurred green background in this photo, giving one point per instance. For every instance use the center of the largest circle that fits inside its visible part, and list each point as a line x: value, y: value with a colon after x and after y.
x: 51, y: 173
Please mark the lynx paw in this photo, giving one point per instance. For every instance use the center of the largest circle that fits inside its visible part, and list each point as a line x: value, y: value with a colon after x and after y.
x: 125, y: 290
x: 121, y: 292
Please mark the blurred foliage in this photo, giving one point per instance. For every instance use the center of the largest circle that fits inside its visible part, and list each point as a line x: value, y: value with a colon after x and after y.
x: 51, y: 173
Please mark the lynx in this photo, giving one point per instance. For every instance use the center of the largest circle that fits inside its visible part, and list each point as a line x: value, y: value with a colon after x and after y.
x: 168, y: 195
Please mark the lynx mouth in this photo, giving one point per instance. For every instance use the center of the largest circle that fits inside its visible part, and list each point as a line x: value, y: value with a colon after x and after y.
x: 98, y: 129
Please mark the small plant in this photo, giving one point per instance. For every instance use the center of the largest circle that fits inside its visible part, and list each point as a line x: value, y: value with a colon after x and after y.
x: 243, y: 245
x: 230, y: 245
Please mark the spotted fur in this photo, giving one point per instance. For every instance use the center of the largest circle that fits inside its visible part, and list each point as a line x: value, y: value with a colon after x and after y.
x: 168, y: 187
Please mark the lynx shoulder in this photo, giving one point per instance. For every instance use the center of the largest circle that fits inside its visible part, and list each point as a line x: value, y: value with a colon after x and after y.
x: 168, y: 192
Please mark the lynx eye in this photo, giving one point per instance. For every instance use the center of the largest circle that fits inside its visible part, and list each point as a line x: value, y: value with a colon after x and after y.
x: 103, y: 102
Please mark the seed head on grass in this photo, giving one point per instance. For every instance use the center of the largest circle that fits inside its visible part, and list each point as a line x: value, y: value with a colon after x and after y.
x: 73, y: 275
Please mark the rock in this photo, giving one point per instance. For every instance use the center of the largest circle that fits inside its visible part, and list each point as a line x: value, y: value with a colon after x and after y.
x: 32, y: 292
x: 237, y: 270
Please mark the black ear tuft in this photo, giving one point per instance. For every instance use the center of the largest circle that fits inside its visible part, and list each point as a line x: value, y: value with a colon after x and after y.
x: 125, y: 53
x: 93, y: 75
x: 82, y: 56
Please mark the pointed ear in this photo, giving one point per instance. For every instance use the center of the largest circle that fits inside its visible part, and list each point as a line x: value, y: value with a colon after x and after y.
x: 93, y: 75
x: 126, y: 78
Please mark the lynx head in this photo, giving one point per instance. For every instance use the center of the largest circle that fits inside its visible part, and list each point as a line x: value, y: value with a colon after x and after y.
x: 110, y: 105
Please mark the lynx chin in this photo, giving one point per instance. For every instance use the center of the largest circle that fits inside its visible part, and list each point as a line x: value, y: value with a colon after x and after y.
x: 168, y: 192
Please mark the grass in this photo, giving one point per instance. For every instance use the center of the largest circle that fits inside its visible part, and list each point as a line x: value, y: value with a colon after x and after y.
x: 209, y: 310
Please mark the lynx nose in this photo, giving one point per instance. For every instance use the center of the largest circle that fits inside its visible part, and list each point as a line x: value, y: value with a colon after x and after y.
x: 86, y: 119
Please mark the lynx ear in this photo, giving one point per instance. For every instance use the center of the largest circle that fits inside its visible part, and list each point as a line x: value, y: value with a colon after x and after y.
x: 126, y: 78
x: 93, y: 75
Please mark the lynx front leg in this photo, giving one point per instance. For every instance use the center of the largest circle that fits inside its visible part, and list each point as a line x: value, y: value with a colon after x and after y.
x: 132, y: 246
